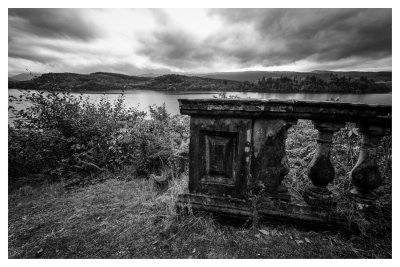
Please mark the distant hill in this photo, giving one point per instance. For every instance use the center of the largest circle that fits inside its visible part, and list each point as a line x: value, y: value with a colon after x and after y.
x: 149, y: 75
x: 103, y: 81
x: 322, y: 71
x: 253, y: 76
x: 24, y: 76
x: 250, y: 81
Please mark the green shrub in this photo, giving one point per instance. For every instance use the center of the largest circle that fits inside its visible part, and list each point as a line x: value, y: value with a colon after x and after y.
x: 65, y: 136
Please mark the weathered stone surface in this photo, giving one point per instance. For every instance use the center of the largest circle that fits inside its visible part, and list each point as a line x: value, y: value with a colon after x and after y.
x: 269, y: 138
x: 377, y: 115
x: 237, y: 155
x: 236, y: 211
x: 217, y: 164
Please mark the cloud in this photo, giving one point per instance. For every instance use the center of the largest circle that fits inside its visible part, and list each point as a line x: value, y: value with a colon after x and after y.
x: 53, y: 23
x: 157, y: 40
x: 160, y: 16
x: 319, y: 34
x: 176, y: 48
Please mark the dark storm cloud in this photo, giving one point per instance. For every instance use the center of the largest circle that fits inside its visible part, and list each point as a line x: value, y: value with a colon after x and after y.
x: 52, y: 23
x: 49, y: 36
x: 284, y: 36
x: 176, y: 48
x: 325, y: 34
x: 32, y: 55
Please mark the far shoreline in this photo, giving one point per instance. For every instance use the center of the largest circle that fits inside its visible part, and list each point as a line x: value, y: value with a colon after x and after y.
x: 120, y: 91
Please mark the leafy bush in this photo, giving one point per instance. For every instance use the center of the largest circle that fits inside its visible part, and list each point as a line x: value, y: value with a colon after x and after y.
x: 67, y: 136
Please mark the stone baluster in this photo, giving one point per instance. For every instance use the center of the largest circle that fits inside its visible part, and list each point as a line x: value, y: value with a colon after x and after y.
x: 365, y: 175
x: 320, y: 170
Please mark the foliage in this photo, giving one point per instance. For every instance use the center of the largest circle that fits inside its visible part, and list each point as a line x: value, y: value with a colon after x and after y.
x: 67, y: 136
x: 301, y: 145
x: 170, y: 78
x: 316, y: 84
x: 126, y: 218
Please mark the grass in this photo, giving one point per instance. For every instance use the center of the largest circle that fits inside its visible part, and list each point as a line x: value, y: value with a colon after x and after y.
x: 122, y: 217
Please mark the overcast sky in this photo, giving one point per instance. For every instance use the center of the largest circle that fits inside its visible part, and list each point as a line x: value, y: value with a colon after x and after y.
x: 139, y: 41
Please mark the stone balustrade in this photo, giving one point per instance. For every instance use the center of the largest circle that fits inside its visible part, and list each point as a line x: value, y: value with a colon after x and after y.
x: 237, y: 151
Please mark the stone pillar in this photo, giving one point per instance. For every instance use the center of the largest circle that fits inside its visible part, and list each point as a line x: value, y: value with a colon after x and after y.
x: 282, y: 190
x: 321, y: 171
x: 365, y: 175
x: 269, y: 162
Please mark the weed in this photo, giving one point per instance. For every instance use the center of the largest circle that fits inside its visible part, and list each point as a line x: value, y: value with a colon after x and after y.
x: 123, y: 217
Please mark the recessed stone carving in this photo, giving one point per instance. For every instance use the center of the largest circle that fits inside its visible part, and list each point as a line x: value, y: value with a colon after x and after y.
x: 220, y: 158
x: 217, y: 153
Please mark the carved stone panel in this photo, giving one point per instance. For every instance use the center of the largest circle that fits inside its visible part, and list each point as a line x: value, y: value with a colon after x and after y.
x: 218, y: 156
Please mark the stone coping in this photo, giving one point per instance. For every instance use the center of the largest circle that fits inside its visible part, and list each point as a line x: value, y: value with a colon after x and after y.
x: 328, y: 111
